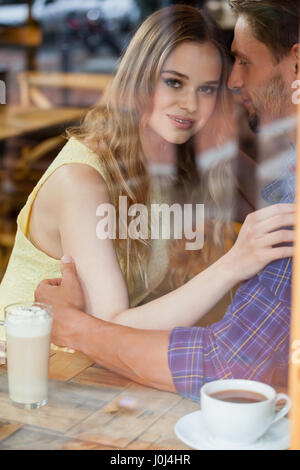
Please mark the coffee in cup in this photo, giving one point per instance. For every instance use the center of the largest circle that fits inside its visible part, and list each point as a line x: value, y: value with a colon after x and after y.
x: 240, y: 411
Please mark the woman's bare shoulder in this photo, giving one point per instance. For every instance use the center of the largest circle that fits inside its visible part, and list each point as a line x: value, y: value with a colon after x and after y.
x: 76, y: 179
x: 77, y: 173
x: 72, y: 185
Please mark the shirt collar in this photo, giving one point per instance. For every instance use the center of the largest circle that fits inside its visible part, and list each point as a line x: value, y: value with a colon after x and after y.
x: 283, y: 189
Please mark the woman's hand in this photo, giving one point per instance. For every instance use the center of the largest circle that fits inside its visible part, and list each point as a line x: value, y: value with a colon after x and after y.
x: 256, y: 244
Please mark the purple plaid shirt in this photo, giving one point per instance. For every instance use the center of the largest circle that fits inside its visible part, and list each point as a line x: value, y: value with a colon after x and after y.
x: 252, y: 340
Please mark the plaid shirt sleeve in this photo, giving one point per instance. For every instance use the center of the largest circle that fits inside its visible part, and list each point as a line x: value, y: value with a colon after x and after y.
x: 252, y: 340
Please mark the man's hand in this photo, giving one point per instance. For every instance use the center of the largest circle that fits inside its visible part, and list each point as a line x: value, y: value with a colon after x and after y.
x: 65, y: 292
x: 140, y: 355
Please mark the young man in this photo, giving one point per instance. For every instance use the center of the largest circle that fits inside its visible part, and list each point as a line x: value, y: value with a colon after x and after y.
x: 252, y: 340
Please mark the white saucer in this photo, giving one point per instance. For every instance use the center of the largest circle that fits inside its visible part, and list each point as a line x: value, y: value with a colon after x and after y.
x: 191, y: 430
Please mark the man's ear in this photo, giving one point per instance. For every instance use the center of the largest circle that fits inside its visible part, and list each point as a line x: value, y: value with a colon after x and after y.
x: 295, y: 51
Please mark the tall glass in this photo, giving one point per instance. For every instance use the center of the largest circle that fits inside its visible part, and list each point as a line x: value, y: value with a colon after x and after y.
x: 28, y: 331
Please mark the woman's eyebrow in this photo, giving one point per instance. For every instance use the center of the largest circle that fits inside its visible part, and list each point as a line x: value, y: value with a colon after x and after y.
x: 181, y: 75
x: 212, y: 82
x: 175, y: 73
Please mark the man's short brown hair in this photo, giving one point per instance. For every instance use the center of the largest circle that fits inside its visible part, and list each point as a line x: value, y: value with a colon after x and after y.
x: 273, y: 22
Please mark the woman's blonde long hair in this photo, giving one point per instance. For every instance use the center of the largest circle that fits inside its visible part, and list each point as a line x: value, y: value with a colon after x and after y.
x: 113, y: 130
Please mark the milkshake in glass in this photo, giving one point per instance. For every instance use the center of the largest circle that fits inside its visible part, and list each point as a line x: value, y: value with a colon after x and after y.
x: 28, y: 332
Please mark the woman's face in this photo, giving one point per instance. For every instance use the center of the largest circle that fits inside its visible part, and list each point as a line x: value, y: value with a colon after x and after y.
x: 186, y: 92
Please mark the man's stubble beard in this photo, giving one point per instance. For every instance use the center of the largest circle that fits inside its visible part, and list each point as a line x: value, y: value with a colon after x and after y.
x: 269, y: 101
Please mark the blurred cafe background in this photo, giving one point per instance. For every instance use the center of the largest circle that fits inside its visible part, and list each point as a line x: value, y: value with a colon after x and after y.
x: 56, y: 59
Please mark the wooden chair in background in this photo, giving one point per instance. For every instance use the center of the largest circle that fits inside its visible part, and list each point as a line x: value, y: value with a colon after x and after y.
x: 28, y: 36
x: 32, y: 95
x: 30, y: 84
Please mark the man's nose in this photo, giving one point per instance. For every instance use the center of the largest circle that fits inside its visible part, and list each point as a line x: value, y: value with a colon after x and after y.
x: 235, y: 80
x: 189, y: 101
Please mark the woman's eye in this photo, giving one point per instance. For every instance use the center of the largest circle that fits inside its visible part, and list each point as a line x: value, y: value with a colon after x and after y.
x: 208, y: 90
x: 172, y: 82
x: 243, y: 62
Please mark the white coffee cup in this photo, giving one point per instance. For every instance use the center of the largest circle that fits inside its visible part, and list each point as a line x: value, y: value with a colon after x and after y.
x: 240, y: 423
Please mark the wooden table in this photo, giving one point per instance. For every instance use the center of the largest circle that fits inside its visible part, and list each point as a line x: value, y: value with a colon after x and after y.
x: 16, y: 121
x: 80, y: 413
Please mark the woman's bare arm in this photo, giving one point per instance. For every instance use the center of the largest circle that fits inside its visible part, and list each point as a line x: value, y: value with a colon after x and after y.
x: 96, y: 260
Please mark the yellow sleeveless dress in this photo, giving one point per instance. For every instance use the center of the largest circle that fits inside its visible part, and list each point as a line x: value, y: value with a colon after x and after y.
x: 28, y: 265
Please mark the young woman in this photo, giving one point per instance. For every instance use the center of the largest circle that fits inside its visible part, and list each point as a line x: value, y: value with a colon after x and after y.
x: 169, y: 83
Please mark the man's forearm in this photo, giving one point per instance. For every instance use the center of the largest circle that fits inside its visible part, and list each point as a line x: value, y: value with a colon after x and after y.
x: 140, y: 355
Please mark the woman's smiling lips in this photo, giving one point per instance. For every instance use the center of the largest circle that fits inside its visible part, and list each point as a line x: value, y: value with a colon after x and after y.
x: 181, y: 122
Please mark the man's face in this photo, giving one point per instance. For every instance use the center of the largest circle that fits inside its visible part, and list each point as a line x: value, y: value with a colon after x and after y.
x: 263, y: 84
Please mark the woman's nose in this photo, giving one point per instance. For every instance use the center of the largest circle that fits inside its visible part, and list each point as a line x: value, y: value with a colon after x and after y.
x: 189, y: 101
